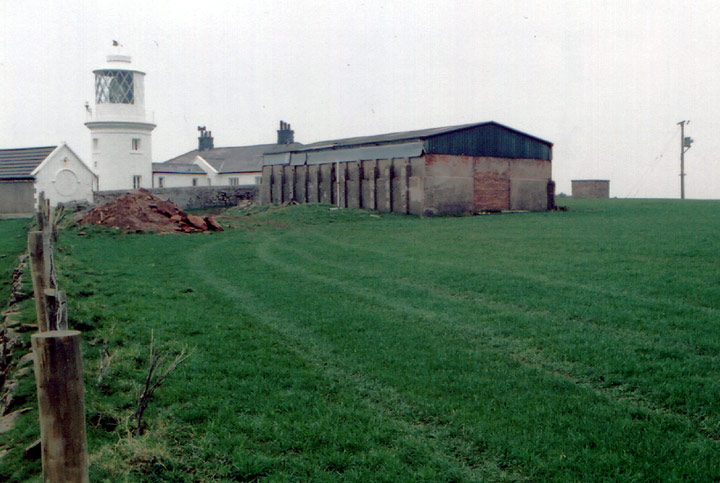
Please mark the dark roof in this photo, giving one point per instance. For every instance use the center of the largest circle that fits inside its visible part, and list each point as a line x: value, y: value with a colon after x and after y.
x: 237, y: 159
x: 177, y: 168
x: 403, y: 136
x: 19, y: 163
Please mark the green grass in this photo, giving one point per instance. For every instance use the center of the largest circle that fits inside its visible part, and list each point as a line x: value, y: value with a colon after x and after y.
x: 343, y: 346
x: 13, y: 240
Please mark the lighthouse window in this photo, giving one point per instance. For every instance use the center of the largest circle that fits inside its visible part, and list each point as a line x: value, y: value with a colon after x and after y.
x: 136, y: 144
x: 136, y: 181
x: 114, y: 87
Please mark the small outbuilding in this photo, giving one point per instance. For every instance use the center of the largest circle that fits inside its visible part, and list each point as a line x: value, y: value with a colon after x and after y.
x: 590, y: 188
x: 457, y: 169
x: 55, y: 170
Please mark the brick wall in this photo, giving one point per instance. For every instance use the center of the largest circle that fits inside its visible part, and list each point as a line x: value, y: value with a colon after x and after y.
x: 492, y: 191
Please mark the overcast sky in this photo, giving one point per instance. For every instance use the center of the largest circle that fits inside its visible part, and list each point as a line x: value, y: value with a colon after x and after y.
x: 605, y: 81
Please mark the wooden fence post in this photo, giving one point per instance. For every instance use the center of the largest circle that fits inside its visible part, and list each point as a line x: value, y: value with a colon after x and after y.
x: 55, y: 309
x: 36, y: 249
x: 41, y: 221
x: 61, y: 401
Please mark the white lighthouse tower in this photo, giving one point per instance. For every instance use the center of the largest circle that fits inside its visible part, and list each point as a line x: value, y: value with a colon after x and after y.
x: 121, y: 133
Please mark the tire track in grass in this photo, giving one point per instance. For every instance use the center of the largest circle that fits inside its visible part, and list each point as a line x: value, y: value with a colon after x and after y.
x: 473, y: 296
x: 472, y: 462
x: 541, y: 279
x: 694, y: 342
x: 704, y: 348
x: 680, y: 424
x: 704, y: 364
x: 525, y: 352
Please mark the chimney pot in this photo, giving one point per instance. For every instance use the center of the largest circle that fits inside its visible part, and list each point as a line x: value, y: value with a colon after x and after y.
x: 285, y: 134
x: 205, y: 141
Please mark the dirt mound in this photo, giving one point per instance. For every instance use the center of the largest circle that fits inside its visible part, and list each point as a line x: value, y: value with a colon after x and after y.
x: 141, y: 211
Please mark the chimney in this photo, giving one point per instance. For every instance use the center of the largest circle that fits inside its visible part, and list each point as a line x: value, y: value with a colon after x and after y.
x: 285, y: 134
x: 205, y: 141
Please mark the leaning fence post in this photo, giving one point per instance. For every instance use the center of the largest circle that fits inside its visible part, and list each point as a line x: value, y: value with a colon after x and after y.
x: 61, y: 401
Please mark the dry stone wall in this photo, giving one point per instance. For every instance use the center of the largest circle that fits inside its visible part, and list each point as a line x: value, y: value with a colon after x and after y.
x: 191, y: 197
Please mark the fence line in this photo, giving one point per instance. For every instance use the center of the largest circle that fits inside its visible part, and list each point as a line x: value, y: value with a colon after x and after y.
x: 57, y: 361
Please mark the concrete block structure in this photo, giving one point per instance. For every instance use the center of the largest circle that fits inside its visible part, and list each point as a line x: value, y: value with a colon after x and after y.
x: 458, y: 169
x: 590, y: 188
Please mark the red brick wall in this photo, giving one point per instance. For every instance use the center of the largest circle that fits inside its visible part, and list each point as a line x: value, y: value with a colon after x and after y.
x: 492, y: 191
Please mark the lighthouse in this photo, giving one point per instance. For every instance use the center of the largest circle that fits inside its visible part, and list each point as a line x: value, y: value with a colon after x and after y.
x: 121, y: 134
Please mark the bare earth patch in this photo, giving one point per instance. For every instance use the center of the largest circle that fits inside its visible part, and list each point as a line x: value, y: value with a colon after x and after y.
x: 141, y: 211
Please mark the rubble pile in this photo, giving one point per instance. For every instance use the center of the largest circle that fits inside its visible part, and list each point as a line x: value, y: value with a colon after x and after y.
x: 141, y: 211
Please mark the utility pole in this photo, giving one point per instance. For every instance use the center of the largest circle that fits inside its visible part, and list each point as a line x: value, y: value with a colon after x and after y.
x: 685, y: 143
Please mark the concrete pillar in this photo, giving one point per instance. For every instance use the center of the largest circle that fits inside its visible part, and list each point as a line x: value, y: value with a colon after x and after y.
x: 326, y: 183
x: 277, y: 184
x: 265, y: 184
x: 312, y: 183
x: 342, y: 184
x: 381, y: 185
x: 288, y: 184
x: 388, y: 188
x: 400, y: 186
x: 301, y: 184
x: 353, y: 185
x: 369, y: 184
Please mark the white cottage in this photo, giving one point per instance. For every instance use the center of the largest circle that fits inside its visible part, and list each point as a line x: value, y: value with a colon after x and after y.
x: 211, y: 166
x: 55, y: 170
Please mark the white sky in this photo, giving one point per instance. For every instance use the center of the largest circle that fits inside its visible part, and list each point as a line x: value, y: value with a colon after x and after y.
x: 605, y: 81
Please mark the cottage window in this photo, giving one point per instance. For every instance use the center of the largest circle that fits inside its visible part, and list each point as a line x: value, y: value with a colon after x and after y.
x: 194, y: 181
x: 234, y: 181
x: 161, y: 181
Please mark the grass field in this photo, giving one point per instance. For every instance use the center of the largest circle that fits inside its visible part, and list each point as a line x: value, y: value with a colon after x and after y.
x: 344, y: 346
x: 13, y: 240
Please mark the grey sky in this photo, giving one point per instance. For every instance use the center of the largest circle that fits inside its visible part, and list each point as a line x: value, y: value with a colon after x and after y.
x: 606, y: 81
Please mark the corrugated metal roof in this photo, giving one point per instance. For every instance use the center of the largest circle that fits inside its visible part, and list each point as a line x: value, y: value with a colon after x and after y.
x: 396, y: 150
x: 403, y: 136
x: 177, y: 168
x: 237, y: 159
x: 19, y: 163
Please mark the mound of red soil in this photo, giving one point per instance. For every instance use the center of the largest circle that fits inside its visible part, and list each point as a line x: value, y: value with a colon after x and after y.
x: 141, y: 211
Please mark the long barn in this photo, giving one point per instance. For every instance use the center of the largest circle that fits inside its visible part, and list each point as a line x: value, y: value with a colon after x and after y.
x: 458, y: 169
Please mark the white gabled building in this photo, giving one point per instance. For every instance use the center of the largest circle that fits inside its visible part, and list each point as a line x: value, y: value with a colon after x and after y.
x: 121, y: 133
x: 55, y: 170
